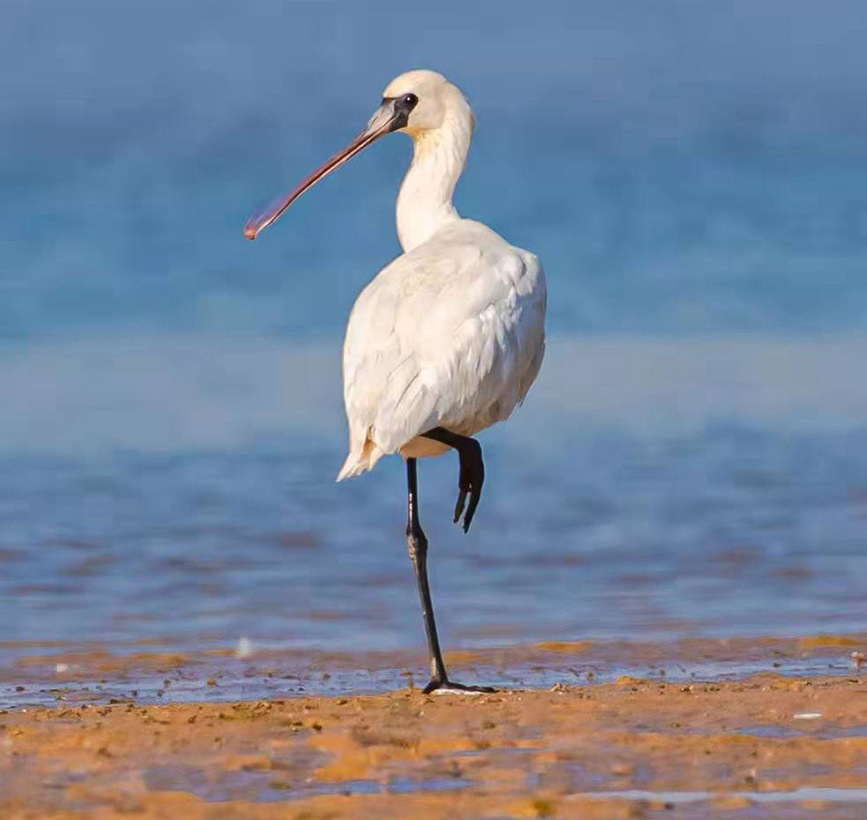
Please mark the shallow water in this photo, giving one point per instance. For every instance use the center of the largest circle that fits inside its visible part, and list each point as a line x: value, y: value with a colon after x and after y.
x: 827, y: 795
x: 723, y: 534
x: 35, y: 680
x: 618, y: 536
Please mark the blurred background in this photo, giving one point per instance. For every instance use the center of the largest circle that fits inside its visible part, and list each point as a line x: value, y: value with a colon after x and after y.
x: 693, y: 459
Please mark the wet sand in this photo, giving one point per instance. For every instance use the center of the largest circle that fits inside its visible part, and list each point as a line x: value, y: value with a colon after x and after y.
x: 774, y: 744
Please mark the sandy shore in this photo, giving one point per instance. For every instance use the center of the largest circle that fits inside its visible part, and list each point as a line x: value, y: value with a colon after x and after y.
x: 627, y: 749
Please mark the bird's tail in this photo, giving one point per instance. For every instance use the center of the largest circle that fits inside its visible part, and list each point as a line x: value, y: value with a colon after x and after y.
x: 360, y: 461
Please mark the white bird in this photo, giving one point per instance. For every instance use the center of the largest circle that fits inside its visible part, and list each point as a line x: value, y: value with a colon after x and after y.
x: 447, y: 339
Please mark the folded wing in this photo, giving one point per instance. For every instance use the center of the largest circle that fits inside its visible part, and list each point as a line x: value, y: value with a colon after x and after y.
x: 448, y: 335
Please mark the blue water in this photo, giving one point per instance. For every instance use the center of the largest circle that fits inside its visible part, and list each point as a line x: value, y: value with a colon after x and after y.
x: 680, y: 166
x: 726, y: 533
x: 692, y: 461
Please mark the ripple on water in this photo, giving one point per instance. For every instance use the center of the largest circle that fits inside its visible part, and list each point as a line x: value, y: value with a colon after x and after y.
x: 824, y: 794
x: 279, y: 785
x: 614, y: 536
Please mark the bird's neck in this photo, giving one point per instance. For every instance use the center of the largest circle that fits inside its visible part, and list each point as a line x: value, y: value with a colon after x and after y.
x: 424, y: 204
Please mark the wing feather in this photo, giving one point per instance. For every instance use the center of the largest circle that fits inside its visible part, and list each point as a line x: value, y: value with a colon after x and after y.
x: 450, y: 334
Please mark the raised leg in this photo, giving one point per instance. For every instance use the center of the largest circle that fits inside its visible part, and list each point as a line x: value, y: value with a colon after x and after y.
x: 416, y: 543
x: 472, y: 470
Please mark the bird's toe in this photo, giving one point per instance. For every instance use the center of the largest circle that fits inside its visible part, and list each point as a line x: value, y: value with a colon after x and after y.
x: 448, y: 687
x: 459, y: 506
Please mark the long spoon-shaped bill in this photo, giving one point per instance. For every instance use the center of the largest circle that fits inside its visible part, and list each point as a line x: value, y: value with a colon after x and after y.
x: 380, y: 124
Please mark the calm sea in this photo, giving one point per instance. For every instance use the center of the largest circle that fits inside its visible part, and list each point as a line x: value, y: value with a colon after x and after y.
x: 693, y: 460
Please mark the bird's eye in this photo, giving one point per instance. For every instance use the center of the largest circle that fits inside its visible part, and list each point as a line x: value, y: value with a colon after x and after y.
x: 410, y: 99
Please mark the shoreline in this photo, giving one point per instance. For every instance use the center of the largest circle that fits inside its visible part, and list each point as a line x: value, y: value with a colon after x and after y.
x: 41, y: 675
x: 760, y: 732
x: 633, y: 748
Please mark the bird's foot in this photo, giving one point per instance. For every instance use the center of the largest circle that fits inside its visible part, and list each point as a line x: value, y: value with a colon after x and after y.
x: 444, y: 686
x: 470, y: 480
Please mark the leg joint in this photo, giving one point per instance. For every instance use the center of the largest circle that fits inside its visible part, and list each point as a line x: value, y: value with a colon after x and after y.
x: 416, y: 542
x: 473, y: 448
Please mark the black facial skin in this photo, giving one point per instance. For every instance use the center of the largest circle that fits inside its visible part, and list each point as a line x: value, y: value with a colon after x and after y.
x: 402, y: 108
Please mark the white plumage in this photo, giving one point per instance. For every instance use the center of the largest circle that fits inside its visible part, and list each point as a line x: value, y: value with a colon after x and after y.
x: 451, y: 334
x: 448, y: 338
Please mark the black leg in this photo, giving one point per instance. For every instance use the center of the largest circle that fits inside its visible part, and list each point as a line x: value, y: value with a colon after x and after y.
x: 416, y: 543
x: 472, y: 470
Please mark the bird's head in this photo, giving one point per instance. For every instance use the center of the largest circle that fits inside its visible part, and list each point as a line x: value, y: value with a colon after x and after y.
x: 415, y: 103
x: 420, y: 101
